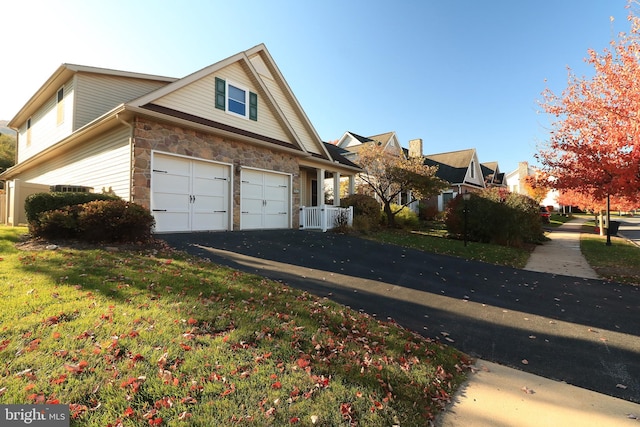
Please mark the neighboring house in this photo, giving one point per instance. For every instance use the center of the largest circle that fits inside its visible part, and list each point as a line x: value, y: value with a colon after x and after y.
x: 516, y: 183
x: 461, y: 169
x: 353, y: 143
x: 492, y: 175
x: 350, y: 145
x: 225, y: 148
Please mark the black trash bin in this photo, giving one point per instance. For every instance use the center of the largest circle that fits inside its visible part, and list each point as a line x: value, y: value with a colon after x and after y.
x: 613, y: 227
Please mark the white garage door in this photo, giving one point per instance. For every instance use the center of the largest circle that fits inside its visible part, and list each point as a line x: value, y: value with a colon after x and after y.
x: 264, y: 200
x: 189, y: 195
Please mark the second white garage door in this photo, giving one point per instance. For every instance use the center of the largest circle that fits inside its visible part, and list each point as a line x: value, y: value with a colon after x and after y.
x: 189, y: 194
x: 264, y: 200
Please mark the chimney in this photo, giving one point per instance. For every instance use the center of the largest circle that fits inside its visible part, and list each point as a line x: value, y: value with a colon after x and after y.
x: 415, y: 147
x: 523, y: 172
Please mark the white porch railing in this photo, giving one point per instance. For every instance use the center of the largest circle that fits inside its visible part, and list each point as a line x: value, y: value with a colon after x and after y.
x: 324, y: 217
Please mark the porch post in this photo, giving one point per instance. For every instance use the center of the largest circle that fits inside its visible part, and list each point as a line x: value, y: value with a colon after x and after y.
x: 352, y: 184
x: 320, y: 199
x: 320, y: 178
x: 336, y: 189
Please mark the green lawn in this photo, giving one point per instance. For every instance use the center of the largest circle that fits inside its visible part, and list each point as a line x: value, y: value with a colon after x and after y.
x: 155, y: 337
x: 556, y: 220
x: 436, y: 242
x: 619, y: 262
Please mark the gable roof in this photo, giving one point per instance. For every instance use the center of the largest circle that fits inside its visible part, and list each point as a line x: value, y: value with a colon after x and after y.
x: 452, y: 166
x: 384, y: 139
x: 338, y: 154
x: 255, y: 69
x: 61, y: 76
x: 491, y: 173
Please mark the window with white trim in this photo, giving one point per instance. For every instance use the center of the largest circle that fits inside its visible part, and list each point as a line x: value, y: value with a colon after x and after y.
x: 236, y: 100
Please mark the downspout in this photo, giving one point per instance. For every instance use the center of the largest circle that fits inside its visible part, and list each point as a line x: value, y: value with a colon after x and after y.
x: 131, y: 158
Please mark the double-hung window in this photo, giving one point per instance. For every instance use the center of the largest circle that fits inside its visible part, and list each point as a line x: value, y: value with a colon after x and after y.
x: 236, y: 100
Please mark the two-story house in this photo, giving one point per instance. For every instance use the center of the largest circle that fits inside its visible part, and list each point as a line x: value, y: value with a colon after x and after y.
x: 228, y: 147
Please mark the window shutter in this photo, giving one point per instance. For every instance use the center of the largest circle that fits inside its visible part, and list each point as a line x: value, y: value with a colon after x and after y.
x: 221, y: 88
x: 253, y: 106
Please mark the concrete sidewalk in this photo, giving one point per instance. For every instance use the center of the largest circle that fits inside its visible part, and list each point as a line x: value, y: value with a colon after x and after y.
x: 496, y: 395
x: 562, y: 254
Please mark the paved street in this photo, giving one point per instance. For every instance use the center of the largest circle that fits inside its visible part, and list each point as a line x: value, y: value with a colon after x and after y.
x: 581, y: 331
x: 630, y: 228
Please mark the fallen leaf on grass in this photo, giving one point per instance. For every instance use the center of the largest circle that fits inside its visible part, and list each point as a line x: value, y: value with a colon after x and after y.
x: 76, y: 368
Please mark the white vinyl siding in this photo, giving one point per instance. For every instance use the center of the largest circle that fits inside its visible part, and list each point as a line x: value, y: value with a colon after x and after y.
x: 198, y: 99
x: 99, y: 94
x: 295, y: 121
x: 45, y: 130
x: 104, y: 162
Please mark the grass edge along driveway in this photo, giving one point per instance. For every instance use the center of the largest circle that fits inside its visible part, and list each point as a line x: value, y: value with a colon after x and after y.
x: 151, y: 336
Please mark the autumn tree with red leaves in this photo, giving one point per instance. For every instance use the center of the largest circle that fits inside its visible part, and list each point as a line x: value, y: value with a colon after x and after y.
x: 594, y: 147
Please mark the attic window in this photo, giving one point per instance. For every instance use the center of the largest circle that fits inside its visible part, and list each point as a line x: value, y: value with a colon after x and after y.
x: 60, y: 106
x: 236, y: 100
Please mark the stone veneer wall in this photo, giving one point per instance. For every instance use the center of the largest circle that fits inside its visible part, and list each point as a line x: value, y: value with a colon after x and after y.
x: 150, y: 135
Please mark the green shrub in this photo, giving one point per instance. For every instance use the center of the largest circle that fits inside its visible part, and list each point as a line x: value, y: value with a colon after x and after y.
x: 37, y: 203
x: 112, y: 220
x: 495, y: 216
x: 59, y: 223
x: 115, y: 221
x: 406, y: 218
x: 366, y: 211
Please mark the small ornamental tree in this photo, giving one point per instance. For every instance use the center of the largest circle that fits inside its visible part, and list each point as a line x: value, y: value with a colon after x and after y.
x: 390, y: 174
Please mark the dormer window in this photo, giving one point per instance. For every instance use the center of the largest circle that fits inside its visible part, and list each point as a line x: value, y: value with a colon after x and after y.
x: 473, y: 169
x: 236, y: 100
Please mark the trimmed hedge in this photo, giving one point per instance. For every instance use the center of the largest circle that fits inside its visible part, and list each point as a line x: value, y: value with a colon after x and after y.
x: 107, y: 219
x: 37, y: 203
x: 496, y: 216
x: 115, y: 221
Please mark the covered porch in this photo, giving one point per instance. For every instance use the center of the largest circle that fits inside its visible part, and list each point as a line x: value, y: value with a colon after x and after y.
x: 320, y: 193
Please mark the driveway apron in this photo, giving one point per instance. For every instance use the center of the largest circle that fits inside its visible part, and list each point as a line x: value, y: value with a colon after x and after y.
x: 582, y: 331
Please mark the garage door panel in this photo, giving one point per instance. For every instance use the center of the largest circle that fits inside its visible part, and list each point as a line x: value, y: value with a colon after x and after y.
x: 172, y: 221
x: 264, y: 200
x: 208, y: 221
x: 276, y: 220
x: 172, y: 165
x: 171, y: 202
x: 190, y: 195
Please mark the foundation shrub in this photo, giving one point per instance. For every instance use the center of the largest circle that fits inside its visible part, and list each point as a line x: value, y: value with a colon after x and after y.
x: 58, y: 224
x: 37, y: 203
x: 115, y: 221
x: 366, y: 211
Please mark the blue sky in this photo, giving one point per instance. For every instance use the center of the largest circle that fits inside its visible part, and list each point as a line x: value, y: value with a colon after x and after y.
x: 458, y: 74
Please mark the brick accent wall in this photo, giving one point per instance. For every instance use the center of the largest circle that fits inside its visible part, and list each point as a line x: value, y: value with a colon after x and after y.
x: 150, y: 135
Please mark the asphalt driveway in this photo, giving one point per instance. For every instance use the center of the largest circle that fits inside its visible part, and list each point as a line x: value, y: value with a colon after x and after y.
x: 582, y: 331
